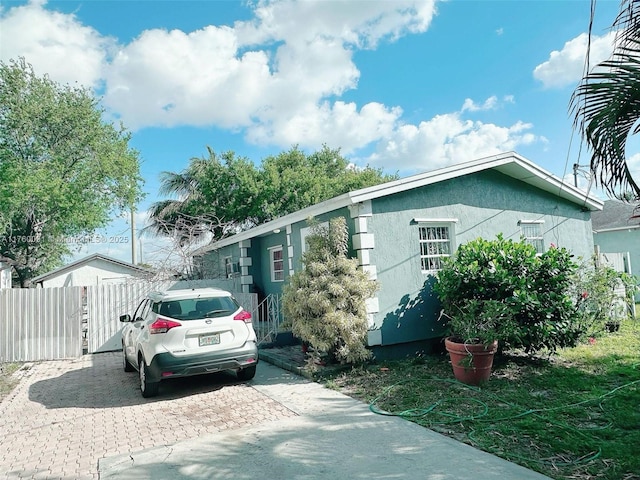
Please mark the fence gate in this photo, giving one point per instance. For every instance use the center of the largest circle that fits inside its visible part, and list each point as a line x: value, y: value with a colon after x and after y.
x: 620, y: 262
x: 105, y: 304
x: 40, y: 323
x: 268, y: 317
x: 55, y: 323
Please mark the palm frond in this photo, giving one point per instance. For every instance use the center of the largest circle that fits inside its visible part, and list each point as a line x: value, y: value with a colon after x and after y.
x: 606, y: 106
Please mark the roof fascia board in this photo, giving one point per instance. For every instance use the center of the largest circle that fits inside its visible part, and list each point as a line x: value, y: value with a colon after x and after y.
x: 501, y: 162
x: 557, y: 186
x: 82, y: 261
x: 616, y: 229
x: 431, y: 177
x: 335, y: 203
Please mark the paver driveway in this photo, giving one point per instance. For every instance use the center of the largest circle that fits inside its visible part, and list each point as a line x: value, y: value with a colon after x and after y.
x: 66, y: 415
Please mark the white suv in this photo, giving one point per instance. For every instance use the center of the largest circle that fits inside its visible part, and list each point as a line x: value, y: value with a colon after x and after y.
x: 180, y: 333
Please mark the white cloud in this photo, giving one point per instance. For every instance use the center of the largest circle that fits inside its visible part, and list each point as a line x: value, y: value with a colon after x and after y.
x: 274, y: 76
x: 277, y: 77
x: 361, y: 24
x: 566, y: 67
x: 341, y: 122
x: 489, y: 104
x: 274, y: 71
x: 54, y: 43
x: 173, y: 78
x: 634, y: 167
x: 447, y: 139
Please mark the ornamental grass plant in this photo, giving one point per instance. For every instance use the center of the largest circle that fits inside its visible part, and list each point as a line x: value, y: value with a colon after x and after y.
x: 326, y: 300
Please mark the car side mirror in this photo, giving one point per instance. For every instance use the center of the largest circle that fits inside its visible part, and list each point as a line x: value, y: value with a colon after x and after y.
x: 125, y: 318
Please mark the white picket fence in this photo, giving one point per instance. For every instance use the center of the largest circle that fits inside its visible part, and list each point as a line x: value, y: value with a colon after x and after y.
x: 56, y: 323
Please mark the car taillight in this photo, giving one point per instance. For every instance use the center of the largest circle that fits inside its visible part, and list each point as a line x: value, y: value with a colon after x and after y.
x: 163, y: 325
x: 243, y: 315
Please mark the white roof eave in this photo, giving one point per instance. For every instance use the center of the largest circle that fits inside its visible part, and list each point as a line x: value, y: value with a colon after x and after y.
x: 509, y: 163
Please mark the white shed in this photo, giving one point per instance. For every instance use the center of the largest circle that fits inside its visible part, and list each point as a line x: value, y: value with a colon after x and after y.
x: 96, y: 269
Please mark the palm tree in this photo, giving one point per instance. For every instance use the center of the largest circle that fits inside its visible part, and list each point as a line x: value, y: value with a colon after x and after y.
x: 188, y: 217
x: 606, y: 106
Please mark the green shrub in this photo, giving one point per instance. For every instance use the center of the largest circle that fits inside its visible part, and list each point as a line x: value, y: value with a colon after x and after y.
x: 534, y: 290
x: 597, y: 303
x: 325, y: 301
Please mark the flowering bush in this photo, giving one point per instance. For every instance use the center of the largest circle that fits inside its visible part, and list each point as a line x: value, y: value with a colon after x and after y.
x: 534, y: 290
x: 596, y: 299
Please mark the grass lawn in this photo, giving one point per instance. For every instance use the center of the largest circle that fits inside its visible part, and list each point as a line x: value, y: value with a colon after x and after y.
x: 575, y: 415
x: 7, y: 381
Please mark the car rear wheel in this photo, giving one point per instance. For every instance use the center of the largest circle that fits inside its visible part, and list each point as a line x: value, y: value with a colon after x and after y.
x: 147, y: 388
x: 247, y: 373
x: 125, y: 363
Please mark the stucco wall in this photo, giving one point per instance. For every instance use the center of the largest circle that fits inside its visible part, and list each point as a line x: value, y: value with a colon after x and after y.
x: 622, y: 241
x: 291, y: 241
x: 484, y: 205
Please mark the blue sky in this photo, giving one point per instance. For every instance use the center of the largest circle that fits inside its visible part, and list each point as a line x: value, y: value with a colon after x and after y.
x: 406, y: 86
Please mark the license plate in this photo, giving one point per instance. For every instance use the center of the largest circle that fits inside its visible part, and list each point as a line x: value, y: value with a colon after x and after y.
x: 206, y: 340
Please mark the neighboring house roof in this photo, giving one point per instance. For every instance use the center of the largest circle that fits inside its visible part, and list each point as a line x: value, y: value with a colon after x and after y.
x: 510, y: 164
x: 615, y: 215
x: 85, y: 261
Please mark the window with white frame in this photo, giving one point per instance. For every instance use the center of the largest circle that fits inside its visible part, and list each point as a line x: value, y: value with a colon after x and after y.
x: 436, y: 243
x: 277, y: 263
x: 531, y: 231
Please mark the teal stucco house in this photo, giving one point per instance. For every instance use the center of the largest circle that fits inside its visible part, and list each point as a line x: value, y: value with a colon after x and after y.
x: 401, y: 230
x: 616, y: 234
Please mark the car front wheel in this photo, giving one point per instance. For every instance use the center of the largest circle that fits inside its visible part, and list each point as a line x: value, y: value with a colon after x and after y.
x: 147, y: 388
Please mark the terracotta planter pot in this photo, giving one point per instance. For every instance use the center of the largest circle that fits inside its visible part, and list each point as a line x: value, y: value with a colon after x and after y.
x: 473, y: 369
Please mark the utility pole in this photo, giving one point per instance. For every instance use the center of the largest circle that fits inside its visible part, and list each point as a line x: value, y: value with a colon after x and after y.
x: 133, y: 235
x: 575, y: 173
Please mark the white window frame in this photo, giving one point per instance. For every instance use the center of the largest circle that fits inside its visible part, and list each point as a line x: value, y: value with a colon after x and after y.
x: 272, y: 263
x: 536, y: 240
x: 449, y: 224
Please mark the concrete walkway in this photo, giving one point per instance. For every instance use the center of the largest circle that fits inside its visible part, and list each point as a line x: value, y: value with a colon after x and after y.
x: 332, y: 436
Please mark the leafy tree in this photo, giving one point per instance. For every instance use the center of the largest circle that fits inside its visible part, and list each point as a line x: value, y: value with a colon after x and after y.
x: 292, y: 180
x: 326, y: 299
x: 63, y: 170
x: 239, y: 195
x: 215, y: 195
x: 606, y: 105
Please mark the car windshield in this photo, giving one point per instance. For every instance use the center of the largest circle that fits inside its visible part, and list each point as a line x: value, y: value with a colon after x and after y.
x: 197, y: 308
